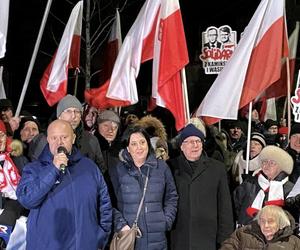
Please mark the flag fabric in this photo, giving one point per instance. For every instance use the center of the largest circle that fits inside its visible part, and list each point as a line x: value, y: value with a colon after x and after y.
x: 54, y: 81
x: 279, y: 88
x: 253, y: 67
x: 152, y: 36
x: 4, y: 13
x: 112, y: 48
x: 120, y: 89
x: 2, y: 89
x: 170, y: 57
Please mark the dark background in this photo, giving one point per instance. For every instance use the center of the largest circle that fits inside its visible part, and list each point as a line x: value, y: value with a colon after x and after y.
x: 26, y: 17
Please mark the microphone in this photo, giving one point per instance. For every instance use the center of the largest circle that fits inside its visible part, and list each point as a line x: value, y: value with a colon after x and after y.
x: 62, y: 149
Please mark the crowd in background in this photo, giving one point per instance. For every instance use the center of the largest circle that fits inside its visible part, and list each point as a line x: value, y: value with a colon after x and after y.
x: 203, y: 192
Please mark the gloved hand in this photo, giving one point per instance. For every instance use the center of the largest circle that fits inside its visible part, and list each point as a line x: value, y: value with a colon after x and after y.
x: 293, y: 202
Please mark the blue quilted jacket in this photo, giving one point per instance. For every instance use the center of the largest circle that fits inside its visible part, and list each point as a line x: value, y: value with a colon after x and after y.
x: 67, y: 211
x: 160, y: 205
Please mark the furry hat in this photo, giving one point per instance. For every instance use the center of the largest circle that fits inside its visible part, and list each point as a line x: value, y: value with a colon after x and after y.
x: 199, y: 124
x: 255, y: 136
x: 153, y: 126
x: 108, y: 115
x: 190, y: 130
x: 283, y: 159
x: 69, y: 101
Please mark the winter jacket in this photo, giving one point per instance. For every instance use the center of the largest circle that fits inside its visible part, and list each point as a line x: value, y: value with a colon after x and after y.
x: 251, y: 237
x: 89, y: 147
x: 70, y: 211
x: 160, y: 204
x: 204, y: 217
x: 296, y: 169
x: 246, y: 192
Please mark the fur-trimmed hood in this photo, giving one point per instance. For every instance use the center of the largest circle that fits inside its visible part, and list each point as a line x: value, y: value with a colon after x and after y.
x: 153, y: 126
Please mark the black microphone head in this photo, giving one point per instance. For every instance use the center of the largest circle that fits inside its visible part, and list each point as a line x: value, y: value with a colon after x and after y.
x: 62, y: 149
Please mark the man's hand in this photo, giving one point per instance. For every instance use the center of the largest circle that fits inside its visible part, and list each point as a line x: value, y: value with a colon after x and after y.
x: 60, y: 159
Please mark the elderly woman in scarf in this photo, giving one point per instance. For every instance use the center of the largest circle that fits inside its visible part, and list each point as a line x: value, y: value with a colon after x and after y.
x: 269, y: 186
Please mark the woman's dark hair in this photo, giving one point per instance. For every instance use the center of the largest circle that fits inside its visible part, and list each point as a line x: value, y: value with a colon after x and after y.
x: 138, y: 129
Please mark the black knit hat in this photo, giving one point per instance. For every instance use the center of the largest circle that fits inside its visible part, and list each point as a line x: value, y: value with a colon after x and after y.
x: 269, y: 123
x: 295, y: 129
x: 190, y: 130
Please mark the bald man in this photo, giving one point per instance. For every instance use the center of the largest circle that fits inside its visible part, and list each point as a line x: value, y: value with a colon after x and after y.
x: 69, y: 209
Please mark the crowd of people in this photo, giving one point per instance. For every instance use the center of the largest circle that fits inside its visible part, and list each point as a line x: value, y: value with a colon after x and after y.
x: 82, y: 179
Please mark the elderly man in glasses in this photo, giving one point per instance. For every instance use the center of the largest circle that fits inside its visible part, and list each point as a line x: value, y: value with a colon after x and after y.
x: 204, y: 217
x: 69, y: 109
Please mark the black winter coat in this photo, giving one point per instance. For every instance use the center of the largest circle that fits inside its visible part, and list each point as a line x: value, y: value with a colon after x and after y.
x: 204, y: 217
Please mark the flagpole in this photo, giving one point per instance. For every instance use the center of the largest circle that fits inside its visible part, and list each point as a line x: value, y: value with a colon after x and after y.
x: 36, y: 47
x: 288, y: 97
x: 185, y: 95
x: 76, y: 73
x: 248, y: 137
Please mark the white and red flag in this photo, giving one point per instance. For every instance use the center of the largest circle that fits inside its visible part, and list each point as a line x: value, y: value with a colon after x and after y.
x: 170, y: 57
x: 280, y: 87
x: 120, y: 89
x: 156, y: 34
x: 54, y: 81
x: 253, y: 67
x: 4, y: 13
x: 112, y: 48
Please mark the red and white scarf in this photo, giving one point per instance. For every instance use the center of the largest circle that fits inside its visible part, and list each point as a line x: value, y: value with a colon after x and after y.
x: 9, y: 177
x: 274, y: 190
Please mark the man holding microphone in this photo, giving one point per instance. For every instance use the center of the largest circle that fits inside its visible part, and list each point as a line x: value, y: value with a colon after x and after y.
x: 67, y: 196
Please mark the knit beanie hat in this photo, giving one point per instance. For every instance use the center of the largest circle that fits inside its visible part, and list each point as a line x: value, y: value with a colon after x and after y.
x: 69, y: 101
x: 190, y: 130
x: 5, y: 103
x: 269, y: 123
x: 283, y: 159
x: 295, y: 129
x: 255, y: 136
x: 108, y: 115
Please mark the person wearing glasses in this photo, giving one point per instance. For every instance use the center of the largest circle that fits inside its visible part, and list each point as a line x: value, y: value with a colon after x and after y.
x: 69, y: 109
x: 204, y: 217
x: 270, y: 184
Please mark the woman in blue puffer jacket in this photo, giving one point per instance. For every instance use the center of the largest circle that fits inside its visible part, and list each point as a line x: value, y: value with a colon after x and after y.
x: 128, y: 178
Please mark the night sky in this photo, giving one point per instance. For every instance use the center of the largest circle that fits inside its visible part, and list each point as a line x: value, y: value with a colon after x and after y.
x: 26, y: 17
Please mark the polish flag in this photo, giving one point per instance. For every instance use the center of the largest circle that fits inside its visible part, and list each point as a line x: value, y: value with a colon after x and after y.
x: 156, y: 34
x: 4, y: 10
x: 120, y: 89
x: 112, y: 49
x: 279, y: 88
x: 54, y: 81
x: 253, y: 67
x: 170, y: 57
